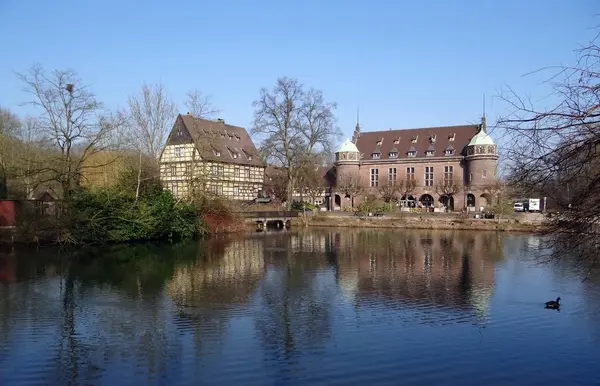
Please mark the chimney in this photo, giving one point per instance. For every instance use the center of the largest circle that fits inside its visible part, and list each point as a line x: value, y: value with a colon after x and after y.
x: 220, y: 120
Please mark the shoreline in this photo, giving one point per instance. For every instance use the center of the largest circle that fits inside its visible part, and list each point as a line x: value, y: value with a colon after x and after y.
x: 418, y: 222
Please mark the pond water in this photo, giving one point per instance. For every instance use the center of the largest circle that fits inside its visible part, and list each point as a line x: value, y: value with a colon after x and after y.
x: 321, y: 306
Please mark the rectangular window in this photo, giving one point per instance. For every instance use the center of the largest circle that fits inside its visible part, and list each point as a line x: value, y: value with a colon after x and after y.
x: 173, y: 169
x: 392, y: 176
x: 428, y: 175
x: 448, y: 173
x: 470, y: 177
x: 484, y: 174
x: 178, y: 152
x: 374, y: 178
x: 175, y: 189
x: 247, y: 173
x: 236, y: 191
x: 410, y: 173
x: 221, y: 170
x: 188, y: 170
x: 214, y: 170
x: 236, y: 172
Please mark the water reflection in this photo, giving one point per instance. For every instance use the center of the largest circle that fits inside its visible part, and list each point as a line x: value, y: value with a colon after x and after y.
x: 269, y: 306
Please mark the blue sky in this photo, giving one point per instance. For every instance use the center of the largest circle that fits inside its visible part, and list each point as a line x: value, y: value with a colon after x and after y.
x: 406, y: 64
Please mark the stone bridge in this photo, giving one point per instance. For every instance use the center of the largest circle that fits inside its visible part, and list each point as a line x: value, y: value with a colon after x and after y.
x: 277, y: 218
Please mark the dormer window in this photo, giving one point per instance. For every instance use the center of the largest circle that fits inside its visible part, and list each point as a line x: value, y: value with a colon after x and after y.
x: 449, y: 152
x: 393, y: 154
x: 379, y: 142
x: 217, y: 153
x: 430, y: 153
x: 412, y: 153
x: 414, y: 139
x: 376, y: 155
x: 432, y: 138
x: 396, y: 141
x: 235, y: 155
x: 451, y: 137
x: 237, y: 137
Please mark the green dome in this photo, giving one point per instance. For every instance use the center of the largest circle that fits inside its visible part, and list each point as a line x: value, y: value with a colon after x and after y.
x: 481, y: 138
x: 348, y: 147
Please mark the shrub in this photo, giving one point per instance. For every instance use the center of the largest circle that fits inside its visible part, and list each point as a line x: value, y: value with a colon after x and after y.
x: 301, y: 205
x: 371, y: 206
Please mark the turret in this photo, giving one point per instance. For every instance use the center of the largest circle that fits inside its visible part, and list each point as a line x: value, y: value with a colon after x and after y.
x: 347, y: 159
x: 481, y: 157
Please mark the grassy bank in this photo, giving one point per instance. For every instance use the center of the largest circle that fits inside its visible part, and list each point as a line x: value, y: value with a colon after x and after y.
x: 412, y: 221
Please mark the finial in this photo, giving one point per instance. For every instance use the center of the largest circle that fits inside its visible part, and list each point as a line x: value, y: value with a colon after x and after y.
x: 357, y: 118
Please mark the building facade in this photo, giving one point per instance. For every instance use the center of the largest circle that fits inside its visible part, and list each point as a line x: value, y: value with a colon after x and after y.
x: 449, y: 167
x: 205, y: 156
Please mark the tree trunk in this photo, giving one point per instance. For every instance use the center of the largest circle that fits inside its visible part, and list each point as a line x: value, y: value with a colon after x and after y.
x: 139, y: 178
x: 290, y: 192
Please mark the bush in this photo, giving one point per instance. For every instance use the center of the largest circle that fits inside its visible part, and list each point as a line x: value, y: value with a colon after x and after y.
x: 111, y: 215
x: 217, y: 214
x: 302, y: 205
x: 371, y: 206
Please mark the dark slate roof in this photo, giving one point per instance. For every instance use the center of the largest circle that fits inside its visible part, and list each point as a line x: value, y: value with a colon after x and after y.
x: 211, y: 136
x: 462, y: 135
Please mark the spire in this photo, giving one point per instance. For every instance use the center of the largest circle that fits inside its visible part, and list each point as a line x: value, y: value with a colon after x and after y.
x: 356, y: 133
x: 483, y: 120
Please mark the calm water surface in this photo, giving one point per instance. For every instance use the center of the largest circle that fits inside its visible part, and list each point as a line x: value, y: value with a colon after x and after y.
x: 293, y: 308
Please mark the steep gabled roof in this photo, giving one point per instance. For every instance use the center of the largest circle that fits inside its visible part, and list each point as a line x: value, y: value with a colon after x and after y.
x: 220, y: 142
x: 460, y: 135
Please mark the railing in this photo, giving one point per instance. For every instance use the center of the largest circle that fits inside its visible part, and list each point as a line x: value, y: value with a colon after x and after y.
x: 269, y: 214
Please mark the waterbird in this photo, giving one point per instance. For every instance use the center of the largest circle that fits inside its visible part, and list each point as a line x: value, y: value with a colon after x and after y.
x: 553, y: 304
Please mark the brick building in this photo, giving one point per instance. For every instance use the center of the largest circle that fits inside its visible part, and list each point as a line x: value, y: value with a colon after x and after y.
x: 435, y: 167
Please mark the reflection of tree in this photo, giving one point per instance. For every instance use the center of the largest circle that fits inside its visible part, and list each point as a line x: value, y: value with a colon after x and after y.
x: 297, y: 304
x: 106, y: 307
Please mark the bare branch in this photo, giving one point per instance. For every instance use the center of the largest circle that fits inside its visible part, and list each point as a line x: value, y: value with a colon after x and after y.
x: 71, y: 118
x: 200, y: 105
x: 555, y: 153
x: 293, y: 125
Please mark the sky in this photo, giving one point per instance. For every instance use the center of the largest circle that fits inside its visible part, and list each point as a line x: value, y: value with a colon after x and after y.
x: 403, y: 64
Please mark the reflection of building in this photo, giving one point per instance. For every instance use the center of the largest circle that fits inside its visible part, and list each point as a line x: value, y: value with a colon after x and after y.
x: 449, y: 269
x: 227, y: 272
x: 210, y: 155
x: 447, y: 166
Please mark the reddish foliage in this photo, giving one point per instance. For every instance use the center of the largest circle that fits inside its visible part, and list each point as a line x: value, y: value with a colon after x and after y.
x: 220, y: 222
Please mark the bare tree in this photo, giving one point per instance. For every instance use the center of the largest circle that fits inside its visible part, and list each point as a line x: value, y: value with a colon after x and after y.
x: 350, y: 185
x: 555, y: 152
x: 72, y: 119
x: 150, y: 118
x: 9, y: 129
x: 406, y: 187
x: 311, y: 182
x: 293, y: 124
x: 32, y: 154
x: 448, y: 187
x: 388, y: 189
x: 493, y: 189
x: 200, y: 105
